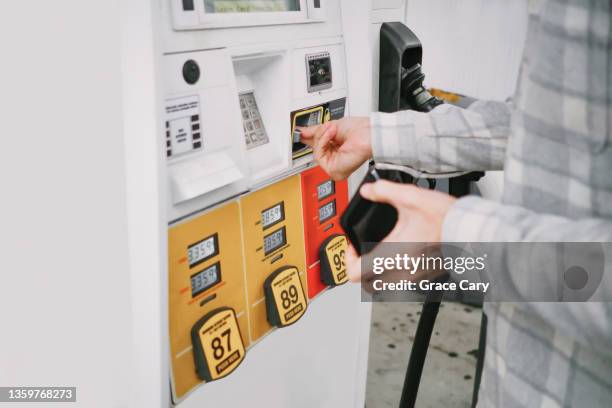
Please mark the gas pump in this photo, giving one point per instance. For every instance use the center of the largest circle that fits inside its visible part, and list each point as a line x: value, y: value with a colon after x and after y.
x: 253, y: 224
x: 171, y: 188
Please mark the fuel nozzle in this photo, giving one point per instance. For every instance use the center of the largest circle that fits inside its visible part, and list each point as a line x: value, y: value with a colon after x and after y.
x: 414, y: 95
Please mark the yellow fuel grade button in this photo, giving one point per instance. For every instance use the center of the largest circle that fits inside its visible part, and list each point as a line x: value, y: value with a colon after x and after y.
x: 333, y: 264
x: 217, y: 344
x: 285, y: 297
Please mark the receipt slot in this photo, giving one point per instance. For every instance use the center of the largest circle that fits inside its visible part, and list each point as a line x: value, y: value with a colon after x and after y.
x: 207, y: 318
x: 323, y: 202
x: 274, y: 256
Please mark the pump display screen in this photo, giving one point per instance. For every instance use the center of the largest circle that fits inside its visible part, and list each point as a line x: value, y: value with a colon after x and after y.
x: 250, y: 6
x: 202, y: 250
x: 327, y: 211
x: 326, y: 189
x: 273, y: 215
x: 275, y: 240
x: 202, y: 281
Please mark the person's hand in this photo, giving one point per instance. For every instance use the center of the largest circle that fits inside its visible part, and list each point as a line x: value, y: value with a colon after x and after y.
x: 340, y: 146
x: 421, y: 213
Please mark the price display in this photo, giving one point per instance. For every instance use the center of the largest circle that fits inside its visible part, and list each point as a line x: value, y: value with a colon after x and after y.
x: 326, y: 189
x: 275, y: 240
x: 333, y: 265
x: 202, y: 281
x: 285, y: 297
x: 217, y: 344
x: 202, y: 250
x: 273, y: 215
x: 327, y: 211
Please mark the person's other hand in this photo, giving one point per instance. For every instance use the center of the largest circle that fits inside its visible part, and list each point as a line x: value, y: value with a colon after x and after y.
x: 421, y: 213
x: 340, y: 146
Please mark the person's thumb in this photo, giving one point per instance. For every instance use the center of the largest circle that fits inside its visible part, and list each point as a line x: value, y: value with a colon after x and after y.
x: 308, y: 134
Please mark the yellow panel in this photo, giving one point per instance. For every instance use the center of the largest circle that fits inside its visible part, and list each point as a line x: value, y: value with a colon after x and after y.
x: 219, y: 235
x: 261, y: 265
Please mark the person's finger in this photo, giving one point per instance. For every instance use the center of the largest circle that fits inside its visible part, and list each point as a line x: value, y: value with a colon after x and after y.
x: 322, y: 141
x: 353, y: 264
x: 395, y: 194
x: 308, y: 133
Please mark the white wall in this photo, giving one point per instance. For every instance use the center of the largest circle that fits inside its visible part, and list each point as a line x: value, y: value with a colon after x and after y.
x: 64, y: 277
x: 471, y: 47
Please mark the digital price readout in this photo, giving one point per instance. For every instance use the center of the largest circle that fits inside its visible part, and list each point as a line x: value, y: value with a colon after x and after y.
x: 327, y: 211
x: 273, y: 216
x: 202, y: 250
x: 275, y: 240
x: 326, y: 189
x: 202, y: 281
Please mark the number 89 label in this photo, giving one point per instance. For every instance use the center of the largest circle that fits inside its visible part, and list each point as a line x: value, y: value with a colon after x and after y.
x: 217, y: 344
x: 285, y: 298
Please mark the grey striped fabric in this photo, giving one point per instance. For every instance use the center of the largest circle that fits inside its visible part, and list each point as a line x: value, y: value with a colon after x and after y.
x: 555, y: 146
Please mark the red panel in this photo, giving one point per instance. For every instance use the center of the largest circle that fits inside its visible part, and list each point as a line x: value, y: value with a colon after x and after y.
x: 316, y: 232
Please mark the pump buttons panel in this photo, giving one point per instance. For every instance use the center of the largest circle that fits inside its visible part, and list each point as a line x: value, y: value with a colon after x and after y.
x: 217, y: 344
x: 333, y: 265
x: 285, y: 297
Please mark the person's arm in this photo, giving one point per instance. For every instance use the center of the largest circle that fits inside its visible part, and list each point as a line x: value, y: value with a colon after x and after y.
x: 473, y: 219
x: 446, y: 139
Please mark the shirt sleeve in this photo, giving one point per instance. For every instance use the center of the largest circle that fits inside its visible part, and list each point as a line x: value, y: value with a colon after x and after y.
x: 474, y: 219
x: 448, y: 138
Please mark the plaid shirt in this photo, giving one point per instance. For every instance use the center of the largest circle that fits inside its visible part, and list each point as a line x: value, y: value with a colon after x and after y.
x: 555, y: 146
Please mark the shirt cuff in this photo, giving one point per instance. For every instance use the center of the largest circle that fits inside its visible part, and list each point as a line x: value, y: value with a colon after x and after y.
x: 393, y: 138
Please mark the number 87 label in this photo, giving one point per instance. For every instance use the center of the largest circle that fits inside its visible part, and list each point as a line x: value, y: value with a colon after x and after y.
x: 217, y: 344
x: 285, y: 298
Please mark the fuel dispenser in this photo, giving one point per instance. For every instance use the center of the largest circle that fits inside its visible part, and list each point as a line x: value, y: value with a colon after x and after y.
x: 324, y: 200
x: 197, y: 141
x: 239, y: 79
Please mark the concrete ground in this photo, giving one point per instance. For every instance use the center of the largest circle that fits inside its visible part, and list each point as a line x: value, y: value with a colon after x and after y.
x: 448, y: 376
